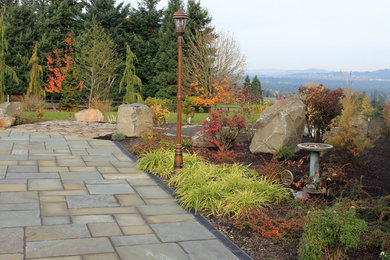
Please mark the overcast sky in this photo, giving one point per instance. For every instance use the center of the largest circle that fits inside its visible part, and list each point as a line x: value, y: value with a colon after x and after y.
x: 300, y: 34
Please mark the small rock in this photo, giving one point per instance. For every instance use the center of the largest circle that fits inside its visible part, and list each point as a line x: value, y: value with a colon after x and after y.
x: 199, y: 139
x: 89, y: 115
x: 300, y: 195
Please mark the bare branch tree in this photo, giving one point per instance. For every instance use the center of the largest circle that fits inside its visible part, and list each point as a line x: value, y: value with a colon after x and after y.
x: 211, y: 59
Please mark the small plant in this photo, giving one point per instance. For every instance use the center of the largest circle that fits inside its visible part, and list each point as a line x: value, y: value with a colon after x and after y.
x: 329, y: 233
x: 20, y: 119
x: 222, y: 129
x: 160, y: 114
x: 259, y: 221
x: 33, y: 103
x: 39, y: 113
x: 118, y: 136
x: 101, y: 103
x: 283, y: 153
x: 188, y: 109
x: 110, y: 118
x: 186, y: 143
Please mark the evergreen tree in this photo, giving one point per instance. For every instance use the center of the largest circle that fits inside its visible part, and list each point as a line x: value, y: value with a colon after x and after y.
x: 22, y: 34
x: 112, y: 18
x: 129, y: 79
x: 5, y: 70
x: 256, y: 87
x: 198, y: 18
x: 247, y: 83
x: 164, y: 84
x: 34, y: 86
x: 55, y: 20
x: 69, y: 93
x: 145, y: 25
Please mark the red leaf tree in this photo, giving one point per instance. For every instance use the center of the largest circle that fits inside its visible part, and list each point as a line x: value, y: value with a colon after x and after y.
x: 322, y: 105
x: 58, y: 67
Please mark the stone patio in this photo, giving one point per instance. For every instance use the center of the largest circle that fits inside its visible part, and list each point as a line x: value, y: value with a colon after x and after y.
x: 71, y: 198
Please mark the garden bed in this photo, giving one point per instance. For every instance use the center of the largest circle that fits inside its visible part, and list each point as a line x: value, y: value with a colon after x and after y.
x: 372, y: 171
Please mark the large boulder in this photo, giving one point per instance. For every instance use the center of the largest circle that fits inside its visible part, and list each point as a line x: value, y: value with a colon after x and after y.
x: 11, y: 108
x: 134, y: 119
x: 280, y: 125
x: 89, y: 115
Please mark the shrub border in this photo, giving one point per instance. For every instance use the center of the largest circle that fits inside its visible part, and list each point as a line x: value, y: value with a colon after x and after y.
x: 201, y: 219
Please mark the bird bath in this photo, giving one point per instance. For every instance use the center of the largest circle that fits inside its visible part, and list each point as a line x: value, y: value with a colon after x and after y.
x: 315, y: 149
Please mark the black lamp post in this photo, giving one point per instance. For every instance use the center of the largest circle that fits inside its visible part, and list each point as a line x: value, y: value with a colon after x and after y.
x: 180, y: 18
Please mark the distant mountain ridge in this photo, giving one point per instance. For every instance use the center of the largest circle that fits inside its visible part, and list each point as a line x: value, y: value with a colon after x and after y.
x: 315, y: 74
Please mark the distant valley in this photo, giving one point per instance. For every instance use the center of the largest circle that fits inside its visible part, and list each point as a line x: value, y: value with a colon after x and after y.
x: 376, y: 83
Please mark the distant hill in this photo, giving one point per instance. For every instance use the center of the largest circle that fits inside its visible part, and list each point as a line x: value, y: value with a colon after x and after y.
x: 376, y: 83
x: 322, y: 74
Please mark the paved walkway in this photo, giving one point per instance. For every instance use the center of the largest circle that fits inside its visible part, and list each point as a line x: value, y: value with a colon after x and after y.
x: 69, y: 198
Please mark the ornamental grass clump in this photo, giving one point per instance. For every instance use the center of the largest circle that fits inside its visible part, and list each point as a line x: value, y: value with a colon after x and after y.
x: 329, y: 233
x: 214, y: 189
x: 224, y: 189
x: 160, y: 162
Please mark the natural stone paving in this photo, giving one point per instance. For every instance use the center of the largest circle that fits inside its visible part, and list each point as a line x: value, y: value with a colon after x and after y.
x: 73, y: 198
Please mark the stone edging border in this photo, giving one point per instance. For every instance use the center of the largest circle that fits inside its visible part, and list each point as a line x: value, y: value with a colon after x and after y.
x: 221, y: 237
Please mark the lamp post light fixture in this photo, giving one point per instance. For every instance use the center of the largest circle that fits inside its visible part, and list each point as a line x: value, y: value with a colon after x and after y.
x: 180, y: 18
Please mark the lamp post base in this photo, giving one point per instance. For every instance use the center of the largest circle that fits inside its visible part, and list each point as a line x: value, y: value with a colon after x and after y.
x: 178, y: 159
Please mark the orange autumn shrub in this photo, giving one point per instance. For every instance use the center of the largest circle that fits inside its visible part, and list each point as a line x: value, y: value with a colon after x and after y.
x: 217, y: 92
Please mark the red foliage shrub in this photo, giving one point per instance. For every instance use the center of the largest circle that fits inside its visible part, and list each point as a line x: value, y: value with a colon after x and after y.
x: 322, y: 106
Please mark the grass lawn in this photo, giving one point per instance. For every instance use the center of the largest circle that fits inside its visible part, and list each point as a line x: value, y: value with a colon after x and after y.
x: 48, y: 115
x: 198, y: 117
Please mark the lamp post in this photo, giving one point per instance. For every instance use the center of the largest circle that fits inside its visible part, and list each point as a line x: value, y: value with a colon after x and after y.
x: 180, y: 18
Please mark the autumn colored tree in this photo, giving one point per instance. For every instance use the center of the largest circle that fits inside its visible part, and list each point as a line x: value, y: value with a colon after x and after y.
x: 5, y: 70
x: 62, y: 76
x: 217, y: 92
x: 58, y: 66
x: 348, y: 140
x: 130, y: 80
x: 34, y: 86
x: 322, y: 106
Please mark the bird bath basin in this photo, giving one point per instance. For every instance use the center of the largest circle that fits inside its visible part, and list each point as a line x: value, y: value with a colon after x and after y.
x: 314, y: 149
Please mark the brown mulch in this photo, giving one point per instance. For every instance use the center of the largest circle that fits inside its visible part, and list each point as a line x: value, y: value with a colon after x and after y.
x: 373, y: 170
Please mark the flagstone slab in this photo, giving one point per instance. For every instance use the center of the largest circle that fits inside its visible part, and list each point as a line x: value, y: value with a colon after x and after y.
x: 12, y: 257
x: 19, y: 197
x: 103, y: 211
x: 40, y: 175
x: 130, y: 200
x: 152, y: 252
x: 56, y: 220
x: 152, y: 192
x: 101, y: 257
x: 20, y: 206
x: 54, y: 209
x: 70, y: 162
x: 119, y: 188
x: 129, y: 219
x: 13, y: 187
x: 134, y: 240
x: 91, y: 201
x: 104, y: 229
x: 207, y: 249
x: 148, y: 210
x: 136, y: 230
x: 85, y: 219
x: 22, y: 168
x: 169, y: 218
x: 20, y: 218
x: 81, y: 176
x: 44, y: 184
x: 55, y: 232
x: 181, y: 231
x: 11, y: 240
x: 68, y: 247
